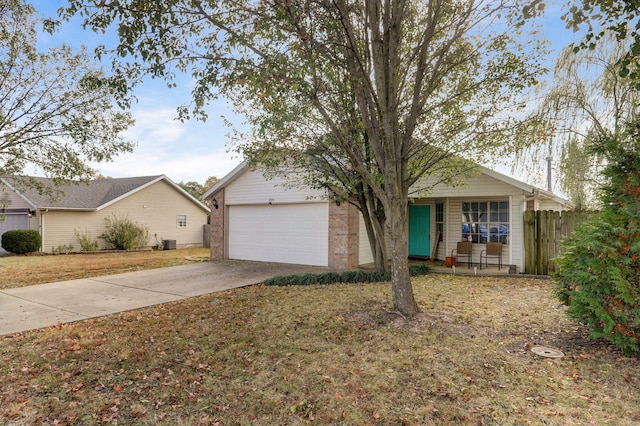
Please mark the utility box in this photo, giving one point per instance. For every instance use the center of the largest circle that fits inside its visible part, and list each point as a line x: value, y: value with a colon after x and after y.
x: 168, y: 244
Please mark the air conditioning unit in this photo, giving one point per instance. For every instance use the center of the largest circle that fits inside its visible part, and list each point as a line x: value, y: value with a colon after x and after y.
x: 168, y: 244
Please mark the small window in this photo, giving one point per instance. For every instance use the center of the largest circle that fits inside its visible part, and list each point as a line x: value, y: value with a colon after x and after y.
x: 181, y: 221
x: 440, y: 220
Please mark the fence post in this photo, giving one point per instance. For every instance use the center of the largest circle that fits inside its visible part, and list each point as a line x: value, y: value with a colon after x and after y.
x: 557, y: 237
x: 530, y: 242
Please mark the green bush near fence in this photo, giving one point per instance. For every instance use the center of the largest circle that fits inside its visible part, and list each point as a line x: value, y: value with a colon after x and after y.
x: 599, y: 274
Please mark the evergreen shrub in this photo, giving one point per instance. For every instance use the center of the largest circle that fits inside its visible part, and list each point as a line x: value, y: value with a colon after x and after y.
x: 599, y: 270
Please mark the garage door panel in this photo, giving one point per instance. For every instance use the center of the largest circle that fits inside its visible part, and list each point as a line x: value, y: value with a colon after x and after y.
x: 280, y: 233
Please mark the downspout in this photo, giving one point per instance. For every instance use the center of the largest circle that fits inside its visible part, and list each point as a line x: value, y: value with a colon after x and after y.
x: 42, y: 212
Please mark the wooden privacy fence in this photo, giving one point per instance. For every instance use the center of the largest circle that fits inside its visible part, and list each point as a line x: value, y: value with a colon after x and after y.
x: 543, y: 232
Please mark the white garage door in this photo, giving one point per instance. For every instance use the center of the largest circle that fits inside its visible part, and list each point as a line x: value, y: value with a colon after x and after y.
x: 294, y: 233
x: 12, y: 222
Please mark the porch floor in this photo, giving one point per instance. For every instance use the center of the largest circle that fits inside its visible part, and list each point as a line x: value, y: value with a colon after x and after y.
x: 439, y: 267
x: 462, y: 268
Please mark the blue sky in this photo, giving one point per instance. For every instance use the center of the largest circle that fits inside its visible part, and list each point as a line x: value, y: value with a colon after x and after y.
x: 195, y: 150
x: 190, y: 151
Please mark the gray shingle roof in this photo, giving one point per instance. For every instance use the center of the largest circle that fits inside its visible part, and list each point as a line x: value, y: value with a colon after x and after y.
x: 79, y: 195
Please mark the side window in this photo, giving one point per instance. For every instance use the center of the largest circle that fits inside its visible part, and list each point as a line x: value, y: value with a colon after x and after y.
x: 474, y: 222
x: 499, y: 222
x: 181, y: 221
x: 440, y: 220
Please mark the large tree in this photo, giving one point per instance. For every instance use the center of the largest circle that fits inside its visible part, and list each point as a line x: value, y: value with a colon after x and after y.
x: 586, y: 101
x: 290, y: 138
x: 54, y: 113
x: 427, y: 77
x: 604, y: 19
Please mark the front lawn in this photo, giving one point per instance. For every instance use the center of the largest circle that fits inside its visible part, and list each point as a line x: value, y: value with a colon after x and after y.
x: 20, y: 271
x: 324, y: 355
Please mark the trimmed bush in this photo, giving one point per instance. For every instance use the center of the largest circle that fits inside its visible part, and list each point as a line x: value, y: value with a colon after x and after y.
x: 21, y: 241
x: 357, y: 276
x: 124, y: 234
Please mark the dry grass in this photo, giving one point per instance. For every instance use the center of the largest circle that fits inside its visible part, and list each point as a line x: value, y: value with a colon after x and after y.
x: 324, y: 355
x: 20, y: 271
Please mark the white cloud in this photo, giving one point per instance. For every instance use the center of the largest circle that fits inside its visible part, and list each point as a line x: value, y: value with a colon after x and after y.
x: 156, y: 126
x: 190, y: 151
x: 186, y: 167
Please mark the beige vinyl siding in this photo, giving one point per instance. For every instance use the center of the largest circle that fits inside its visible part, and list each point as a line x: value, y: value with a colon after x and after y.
x: 252, y: 188
x: 516, y: 239
x: 10, y: 200
x: 474, y: 186
x: 155, y: 206
x: 58, y: 228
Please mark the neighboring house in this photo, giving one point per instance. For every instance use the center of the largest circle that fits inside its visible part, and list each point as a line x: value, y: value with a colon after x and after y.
x: 254, y: 218
x: 156, y: 202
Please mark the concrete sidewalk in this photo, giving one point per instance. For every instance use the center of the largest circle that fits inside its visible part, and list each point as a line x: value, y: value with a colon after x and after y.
x: 44, y: 305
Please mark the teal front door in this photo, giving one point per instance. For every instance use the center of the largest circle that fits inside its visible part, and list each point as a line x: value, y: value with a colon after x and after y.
x: 419, y: 229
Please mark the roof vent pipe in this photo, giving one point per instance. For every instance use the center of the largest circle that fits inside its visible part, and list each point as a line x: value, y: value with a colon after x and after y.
x: 549, y: 186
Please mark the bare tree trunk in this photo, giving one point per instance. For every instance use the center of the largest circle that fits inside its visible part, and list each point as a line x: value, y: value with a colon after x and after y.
x: 375, y: 234
x: 402, y: 290
x: 374, y: 220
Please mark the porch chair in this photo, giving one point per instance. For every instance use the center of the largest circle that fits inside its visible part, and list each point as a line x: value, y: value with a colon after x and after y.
x: 492, y: 250
x: 464, y: 248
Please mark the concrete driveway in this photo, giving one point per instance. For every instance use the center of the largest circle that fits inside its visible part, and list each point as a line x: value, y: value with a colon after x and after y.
x: 44, y: 305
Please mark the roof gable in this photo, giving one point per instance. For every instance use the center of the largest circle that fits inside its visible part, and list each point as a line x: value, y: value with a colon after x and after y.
x: 525, y: 187
x: 93, y: 195
x: 227, y: 179
x: 538, y: 192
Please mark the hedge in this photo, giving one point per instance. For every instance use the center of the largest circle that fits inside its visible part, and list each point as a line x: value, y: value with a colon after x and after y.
x: 21, y: 241
x: 357, y: 276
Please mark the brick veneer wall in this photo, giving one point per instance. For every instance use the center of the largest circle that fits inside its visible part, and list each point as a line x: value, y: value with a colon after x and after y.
x: 217, y: 227
x: 343, y: 236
